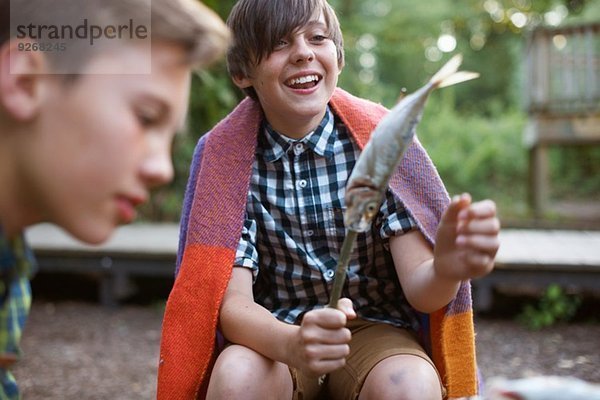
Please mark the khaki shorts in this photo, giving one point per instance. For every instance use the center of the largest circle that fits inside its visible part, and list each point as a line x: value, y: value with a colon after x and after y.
x: 371, y: 343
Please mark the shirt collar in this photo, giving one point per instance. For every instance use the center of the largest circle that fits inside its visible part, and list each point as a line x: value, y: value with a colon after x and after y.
x: 274, y: 145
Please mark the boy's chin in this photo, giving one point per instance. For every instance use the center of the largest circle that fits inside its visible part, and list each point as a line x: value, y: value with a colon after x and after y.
x: 91, y: 232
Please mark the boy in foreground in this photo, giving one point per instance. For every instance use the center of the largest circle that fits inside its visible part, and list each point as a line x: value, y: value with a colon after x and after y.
x: 83, y: 136
x: 262, y: 229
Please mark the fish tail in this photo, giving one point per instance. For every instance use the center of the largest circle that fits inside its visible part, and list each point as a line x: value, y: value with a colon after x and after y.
x: 450, y: 75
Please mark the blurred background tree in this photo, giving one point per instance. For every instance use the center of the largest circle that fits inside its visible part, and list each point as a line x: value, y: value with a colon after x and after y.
x: 472, y: 131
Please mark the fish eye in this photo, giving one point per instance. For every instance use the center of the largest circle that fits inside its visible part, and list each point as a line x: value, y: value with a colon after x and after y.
x: 371, y: 209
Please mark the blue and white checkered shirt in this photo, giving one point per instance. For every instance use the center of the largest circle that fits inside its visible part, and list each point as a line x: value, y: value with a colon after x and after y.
x: 294, y: 229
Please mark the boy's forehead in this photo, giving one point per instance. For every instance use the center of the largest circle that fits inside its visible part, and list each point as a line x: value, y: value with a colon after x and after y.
x: 164, y: 86
x: 131, y: 58
x: 317, y: 20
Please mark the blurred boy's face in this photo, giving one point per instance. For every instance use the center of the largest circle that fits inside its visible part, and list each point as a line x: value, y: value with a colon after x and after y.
x: 296, y: 81
x: 101, y: 142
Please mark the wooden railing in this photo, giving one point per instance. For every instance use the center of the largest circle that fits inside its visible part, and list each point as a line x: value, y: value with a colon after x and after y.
x: 563, y: 71
x: 562, y: 97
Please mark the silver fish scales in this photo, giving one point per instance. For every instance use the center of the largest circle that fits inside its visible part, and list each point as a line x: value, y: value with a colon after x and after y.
x: 380, y: 157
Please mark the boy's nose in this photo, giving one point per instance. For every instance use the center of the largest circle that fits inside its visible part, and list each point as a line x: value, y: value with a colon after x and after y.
x: 157, y: 168
x: 302, y: 52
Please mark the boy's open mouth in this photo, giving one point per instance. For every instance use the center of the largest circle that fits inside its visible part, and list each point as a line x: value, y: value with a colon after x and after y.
x: 303, y: 82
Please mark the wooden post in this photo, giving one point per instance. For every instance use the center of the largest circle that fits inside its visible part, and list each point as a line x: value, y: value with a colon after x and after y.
x: 538, y: 179
x: 562, y: 67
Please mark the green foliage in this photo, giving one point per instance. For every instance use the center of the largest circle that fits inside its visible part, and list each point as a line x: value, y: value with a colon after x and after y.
x: 473, y: 131
x: 553, y: 307
x: 575, y: 172
x: 404, y: 32
x: 480, y: 155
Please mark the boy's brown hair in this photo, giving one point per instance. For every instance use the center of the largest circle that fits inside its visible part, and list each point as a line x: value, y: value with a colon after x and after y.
x: 258, y: 25
x: 187, y: 23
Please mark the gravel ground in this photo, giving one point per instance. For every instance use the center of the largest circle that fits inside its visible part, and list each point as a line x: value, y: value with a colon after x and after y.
x: 77, y: 350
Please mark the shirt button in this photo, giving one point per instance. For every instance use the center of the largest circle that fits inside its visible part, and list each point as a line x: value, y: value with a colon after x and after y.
x: 298, y: 148
x: 309, y: 233
x: 330, y: 273
x: 301, y: 183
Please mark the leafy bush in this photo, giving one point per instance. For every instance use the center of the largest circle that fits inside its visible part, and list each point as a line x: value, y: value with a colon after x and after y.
x: 575, y: 172
x: 480, y: 154
x: 484, y: 156
x: 554, y: 306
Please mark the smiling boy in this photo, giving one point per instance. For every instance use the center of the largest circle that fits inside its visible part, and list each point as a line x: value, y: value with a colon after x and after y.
x: 83, y: 150
x: 262, y: 273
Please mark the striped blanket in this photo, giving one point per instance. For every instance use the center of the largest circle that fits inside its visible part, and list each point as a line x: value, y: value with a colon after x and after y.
x: 211, y: 225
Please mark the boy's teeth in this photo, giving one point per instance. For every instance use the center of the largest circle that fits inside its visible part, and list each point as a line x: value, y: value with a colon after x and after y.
x: 304, y: 79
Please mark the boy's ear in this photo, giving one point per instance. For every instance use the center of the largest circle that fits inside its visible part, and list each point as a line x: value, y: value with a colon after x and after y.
x: 241, y: 81
x: 20, y: 75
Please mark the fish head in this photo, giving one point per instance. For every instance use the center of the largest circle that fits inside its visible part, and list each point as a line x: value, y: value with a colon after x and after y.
x: 362, y: 204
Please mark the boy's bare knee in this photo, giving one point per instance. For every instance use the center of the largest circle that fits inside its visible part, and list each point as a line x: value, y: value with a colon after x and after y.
x: 236, y: 371
x: 240, y: 372
x: 402, y: 377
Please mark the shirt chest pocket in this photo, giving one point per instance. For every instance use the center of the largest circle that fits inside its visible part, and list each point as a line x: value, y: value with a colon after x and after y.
x: 336, y: 232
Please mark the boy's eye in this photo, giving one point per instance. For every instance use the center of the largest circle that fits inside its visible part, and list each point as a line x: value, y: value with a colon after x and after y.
x: 280, y: 44
x: 319, y: 38
x: 146, y: 119
x: 150, y: 111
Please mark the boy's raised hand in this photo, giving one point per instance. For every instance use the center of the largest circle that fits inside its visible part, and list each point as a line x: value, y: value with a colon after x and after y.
x: 467, y: 239
x: 322, y: 340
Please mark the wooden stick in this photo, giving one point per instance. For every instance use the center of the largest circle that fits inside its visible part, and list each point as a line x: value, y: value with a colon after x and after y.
x: 342, y: 267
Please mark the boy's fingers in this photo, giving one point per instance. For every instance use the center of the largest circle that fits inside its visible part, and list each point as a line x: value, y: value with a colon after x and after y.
x: 324, y: 336
x: 345, y: 305
x: 328, y: 318
x: 480, y: 209
x: 319, y: 367
x: 488, y: 226
x: 481, y: 243
x: 326, y: 326
x: 331, y: 352
x: 457, y: 204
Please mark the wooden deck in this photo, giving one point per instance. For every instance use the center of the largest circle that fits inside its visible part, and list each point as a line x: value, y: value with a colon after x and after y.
x: 537, y: 258
x: 526, y: 257
x: 134, y: 250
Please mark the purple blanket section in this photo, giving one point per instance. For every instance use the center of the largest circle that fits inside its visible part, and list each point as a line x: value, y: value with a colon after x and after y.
x: 201, y: 209
x: 188, y: 199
